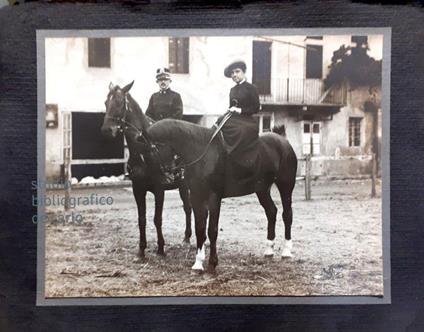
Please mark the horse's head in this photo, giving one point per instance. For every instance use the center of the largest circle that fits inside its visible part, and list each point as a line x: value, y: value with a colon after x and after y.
x: 116, y: 110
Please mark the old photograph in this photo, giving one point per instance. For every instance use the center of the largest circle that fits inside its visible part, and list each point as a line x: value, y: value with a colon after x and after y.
x: 181, y: 164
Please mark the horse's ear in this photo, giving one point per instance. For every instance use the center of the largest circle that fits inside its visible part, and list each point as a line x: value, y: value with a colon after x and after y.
x: 127, y: 88
x: 111, y: 86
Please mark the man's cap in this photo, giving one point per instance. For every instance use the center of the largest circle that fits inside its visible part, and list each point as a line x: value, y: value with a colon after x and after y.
x: 234, y: 65
x: 163, y: 73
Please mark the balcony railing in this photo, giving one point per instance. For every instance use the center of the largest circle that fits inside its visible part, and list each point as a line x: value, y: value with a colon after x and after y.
x: 301, y: 91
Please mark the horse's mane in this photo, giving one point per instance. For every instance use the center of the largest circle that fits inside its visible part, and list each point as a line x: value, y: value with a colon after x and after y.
x: 280, y: 130
x: 135, y: 107
x: 174, y: 131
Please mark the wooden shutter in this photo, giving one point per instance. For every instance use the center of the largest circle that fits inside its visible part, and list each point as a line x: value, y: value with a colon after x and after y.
x: 261, y: 72
x: 99, y: 52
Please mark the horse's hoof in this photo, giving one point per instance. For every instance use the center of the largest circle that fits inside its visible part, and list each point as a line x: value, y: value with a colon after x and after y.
x: 186, y: 241
x: 211, y: 269
x: 198, y: 266
x: 269, y: 251
x: 286, y: 254
x: 140, y: 260
x: 288, y: 245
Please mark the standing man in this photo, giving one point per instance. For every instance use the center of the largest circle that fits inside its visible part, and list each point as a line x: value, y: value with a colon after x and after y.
x: 165, y: 103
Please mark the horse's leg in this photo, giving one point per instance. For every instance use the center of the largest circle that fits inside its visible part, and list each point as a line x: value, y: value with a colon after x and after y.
x: 159, y: 198
x: 286, y: 198
x: 271, y: 214
x: 200, y: 215
x: 185, y: 197
x: 140, y: 198
x: 214, y: 204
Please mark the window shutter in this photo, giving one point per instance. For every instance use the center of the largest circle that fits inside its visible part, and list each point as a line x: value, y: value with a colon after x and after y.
x: 99, y: 52
x: 314, y: 61
x: 179, y: 55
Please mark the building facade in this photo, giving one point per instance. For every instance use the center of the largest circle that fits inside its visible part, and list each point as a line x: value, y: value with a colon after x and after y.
x: 288, y: 71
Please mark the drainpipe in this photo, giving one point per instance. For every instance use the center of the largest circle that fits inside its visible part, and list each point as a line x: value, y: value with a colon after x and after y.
x: 288, y: 71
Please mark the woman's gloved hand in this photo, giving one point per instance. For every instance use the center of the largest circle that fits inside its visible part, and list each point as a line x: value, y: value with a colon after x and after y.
x: 235, y: 109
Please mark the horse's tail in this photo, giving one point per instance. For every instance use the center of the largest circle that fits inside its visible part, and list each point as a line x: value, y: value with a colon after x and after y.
x: 287, y: 160
x: 280, y: 130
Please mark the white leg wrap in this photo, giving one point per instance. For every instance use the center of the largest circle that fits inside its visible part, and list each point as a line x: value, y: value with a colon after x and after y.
x: 288, y: 245
x: 269, y: 251
x: 201, y: 253
x: 200, y: 257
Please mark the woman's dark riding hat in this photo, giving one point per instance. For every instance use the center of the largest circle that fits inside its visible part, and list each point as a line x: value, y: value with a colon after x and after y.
x: 234, y: 65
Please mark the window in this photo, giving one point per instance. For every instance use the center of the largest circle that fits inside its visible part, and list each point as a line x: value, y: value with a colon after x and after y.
x: 359, y: 40
x: 99, y: 52
x: 355, y: 131
x: 314, y: 37
x: 311, y: 138
x: 179, y: 55
x: 266, y: 122
x: 314, y: 61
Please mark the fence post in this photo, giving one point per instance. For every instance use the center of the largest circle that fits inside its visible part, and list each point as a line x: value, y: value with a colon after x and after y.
x: 67, y: 156
x: 373, y: 175
x: 68, y: 179
x: 308, y: 167
x: 288, y: 90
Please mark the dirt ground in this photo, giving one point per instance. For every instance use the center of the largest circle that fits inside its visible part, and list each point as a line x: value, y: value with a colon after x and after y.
x: 337, y: 247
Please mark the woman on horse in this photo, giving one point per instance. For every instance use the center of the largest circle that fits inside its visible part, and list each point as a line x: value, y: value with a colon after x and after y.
x: 241, y: 129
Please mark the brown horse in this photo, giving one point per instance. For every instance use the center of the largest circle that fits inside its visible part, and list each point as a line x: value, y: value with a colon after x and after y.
x: 125, y: 115
x: 206, y: 179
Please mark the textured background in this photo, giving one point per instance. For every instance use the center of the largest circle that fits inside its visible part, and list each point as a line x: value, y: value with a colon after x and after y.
x: 18, y: 166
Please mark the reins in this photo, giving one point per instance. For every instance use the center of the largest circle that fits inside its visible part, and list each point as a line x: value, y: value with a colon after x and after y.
x: 217, y: 130
x: 154, y: 147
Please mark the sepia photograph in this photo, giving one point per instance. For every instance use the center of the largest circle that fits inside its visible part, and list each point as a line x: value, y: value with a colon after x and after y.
x: 216, y: 163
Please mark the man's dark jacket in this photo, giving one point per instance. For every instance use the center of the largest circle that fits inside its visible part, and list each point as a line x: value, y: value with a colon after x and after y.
x: 165, y: 105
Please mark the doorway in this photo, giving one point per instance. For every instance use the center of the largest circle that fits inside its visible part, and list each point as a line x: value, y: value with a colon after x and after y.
x: 311, y: 138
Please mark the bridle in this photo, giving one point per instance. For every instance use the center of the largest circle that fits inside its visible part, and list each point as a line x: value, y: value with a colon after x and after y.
x: 124, y: 124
